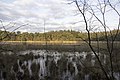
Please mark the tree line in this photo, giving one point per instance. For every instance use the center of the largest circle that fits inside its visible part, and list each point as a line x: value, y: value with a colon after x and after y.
x: 61, y: 35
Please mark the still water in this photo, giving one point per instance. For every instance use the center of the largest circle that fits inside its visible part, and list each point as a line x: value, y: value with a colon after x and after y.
x: 51, y: 65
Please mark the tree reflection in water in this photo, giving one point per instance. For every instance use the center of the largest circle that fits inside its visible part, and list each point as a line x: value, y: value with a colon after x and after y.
x: 52, y: 65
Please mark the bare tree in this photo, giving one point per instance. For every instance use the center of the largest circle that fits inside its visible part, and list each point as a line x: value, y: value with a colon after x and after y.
x: 94, y: 12
x: 10, y: 27
x: 45, y: 36
x: 5, y: 32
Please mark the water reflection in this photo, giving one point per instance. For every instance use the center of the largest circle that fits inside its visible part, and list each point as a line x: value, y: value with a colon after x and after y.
x: 52, y: 65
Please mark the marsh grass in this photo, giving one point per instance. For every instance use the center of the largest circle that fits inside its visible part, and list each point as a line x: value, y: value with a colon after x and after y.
x: 8, y: 61
x: 69, y: 46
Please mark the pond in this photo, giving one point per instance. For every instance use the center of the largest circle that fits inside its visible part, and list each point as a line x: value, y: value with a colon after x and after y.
x: 52, y: 65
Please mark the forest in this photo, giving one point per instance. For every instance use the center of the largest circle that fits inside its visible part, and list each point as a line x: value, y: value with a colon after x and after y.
x: 61, y: 35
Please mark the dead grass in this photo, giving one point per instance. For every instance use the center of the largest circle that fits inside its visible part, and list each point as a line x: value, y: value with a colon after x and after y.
x: 71, y: 46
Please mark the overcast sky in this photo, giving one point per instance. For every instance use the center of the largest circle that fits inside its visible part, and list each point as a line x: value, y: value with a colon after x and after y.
x: 57, y: 14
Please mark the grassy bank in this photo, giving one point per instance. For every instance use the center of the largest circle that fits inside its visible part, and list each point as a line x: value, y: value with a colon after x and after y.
x: 71, y: 46
x: 58, y: 47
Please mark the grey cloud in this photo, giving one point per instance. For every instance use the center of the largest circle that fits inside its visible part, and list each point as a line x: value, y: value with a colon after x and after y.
x: 51, y: 8
x: 5, y: 17
x: 34, y: 12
